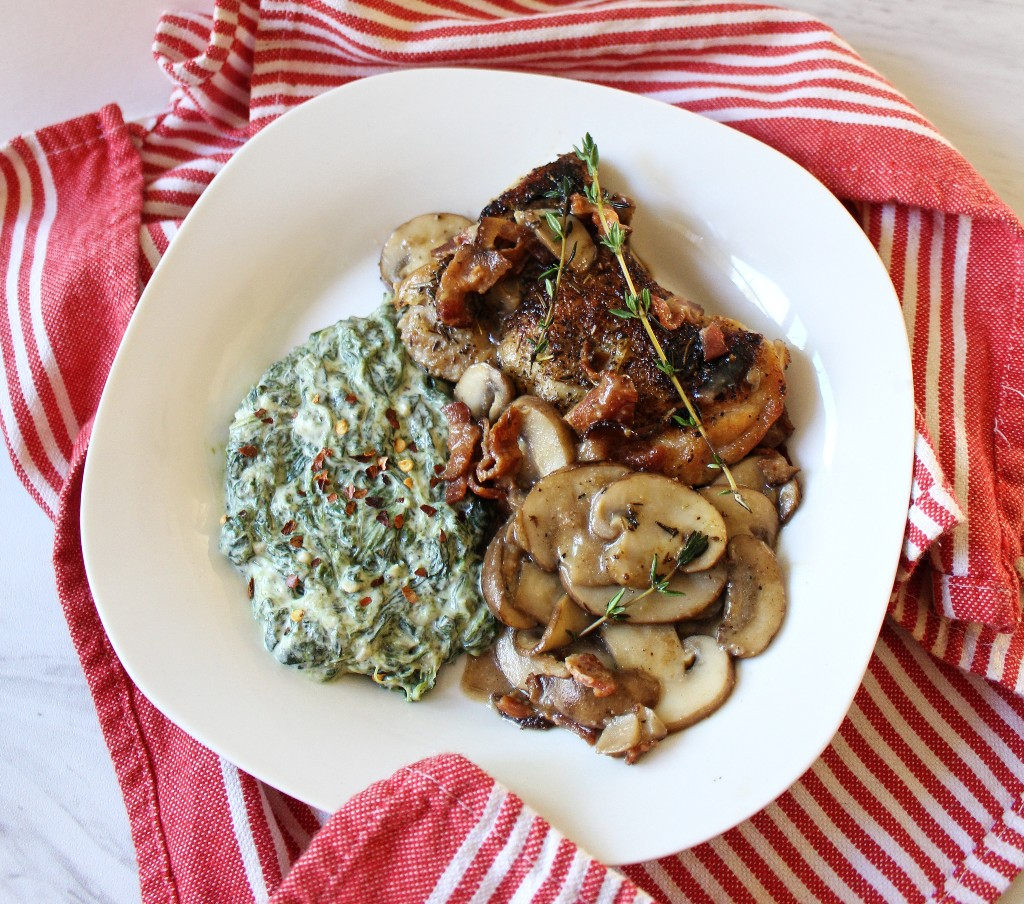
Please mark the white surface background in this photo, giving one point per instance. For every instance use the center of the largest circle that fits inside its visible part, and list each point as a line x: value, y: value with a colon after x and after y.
x: 63, y: 830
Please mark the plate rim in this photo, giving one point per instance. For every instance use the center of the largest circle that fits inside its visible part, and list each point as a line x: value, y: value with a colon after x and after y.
x: 208, y: 197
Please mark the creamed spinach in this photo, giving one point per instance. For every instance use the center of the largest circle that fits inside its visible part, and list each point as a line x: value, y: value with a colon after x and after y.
x: 335, y: 513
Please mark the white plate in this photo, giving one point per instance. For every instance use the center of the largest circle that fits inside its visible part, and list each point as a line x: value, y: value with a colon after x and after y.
x: 285, y: 240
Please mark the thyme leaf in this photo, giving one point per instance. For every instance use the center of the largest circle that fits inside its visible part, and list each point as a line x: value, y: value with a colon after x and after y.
x: 695, y: 546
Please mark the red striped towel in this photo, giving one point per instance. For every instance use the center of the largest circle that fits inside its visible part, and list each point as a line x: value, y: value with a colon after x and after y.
x: 919, y: 797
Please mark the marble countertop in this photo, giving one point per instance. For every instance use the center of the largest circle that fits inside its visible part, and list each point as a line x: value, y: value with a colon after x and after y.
x: 62, y: 822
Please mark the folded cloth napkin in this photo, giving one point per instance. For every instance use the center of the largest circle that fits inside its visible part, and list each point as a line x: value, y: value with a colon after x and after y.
x: 919, y: 797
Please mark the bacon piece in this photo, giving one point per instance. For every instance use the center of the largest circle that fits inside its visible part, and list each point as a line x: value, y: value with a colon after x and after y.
x: 486, y: 492
x: 672, y: 311
x: 463, y: 439
x: 609, y: 442
x: 499, y: 246
x: 613, y: 399
x: 590, y: 672
x: 617, y: 209
x: 501, y: 455
x: 714, y: 341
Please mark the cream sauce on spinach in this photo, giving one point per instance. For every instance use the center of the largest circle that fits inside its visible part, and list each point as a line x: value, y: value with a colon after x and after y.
x: 336, y: 518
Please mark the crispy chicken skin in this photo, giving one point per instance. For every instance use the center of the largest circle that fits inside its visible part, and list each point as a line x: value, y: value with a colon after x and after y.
x: 734, y: 377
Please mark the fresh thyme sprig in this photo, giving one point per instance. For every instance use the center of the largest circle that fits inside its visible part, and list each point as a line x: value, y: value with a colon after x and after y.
x: 561, y: 228
x: 613, y: 237
x: 617, y: 610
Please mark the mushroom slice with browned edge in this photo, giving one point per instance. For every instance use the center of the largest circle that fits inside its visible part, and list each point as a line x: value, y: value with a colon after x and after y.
x: 515, y: 656
x: 768, y: 471
x: 790, y: 495
x: 757, y: 515
x: 518, y: 593
x: 411, y: 245
x: 696, y: 675
x: 567, y: 622
x: 648, y: 518
x: 552, y: 524
x: 755, y: 598
x: 495, y: 578
x: 545, y: 439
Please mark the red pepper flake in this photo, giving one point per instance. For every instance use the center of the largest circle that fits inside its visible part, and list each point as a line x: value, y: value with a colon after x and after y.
x: 438, y: 469
x: 428, y: 510
x: 260, y: 412
x: 301, y: 492
x: 332, y: 498
x: 377, y: 581
x: 434, y: 481
x: 382, y: 462
x: 248, y: 451
x: 362, y: 458
x: 410, y: 594
x: 351, y: 399
x: 268, y: 420
x: 350, y: 509
x: 315, y: 562
x: 384, y: 479
x: 288, y: 527
x: 392, y: 417
x: 372, y: 472
x: 399, y: 521
x: 413, y: 447
x: 420, y: 572
x: 443, y: 537
x: 296, y: 541
x: 252, y: 588
x: 382, y: 518
x: 359, y: 494
x: 375, y: 501
x: 318, y: 461
x: 366, y: 600
x: 293, y: 581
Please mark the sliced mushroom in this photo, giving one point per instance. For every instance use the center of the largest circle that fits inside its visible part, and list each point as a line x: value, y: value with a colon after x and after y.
x: 563, y: 699
x: 552, y: 524
x: 635, y: 731
x: 409, y: 247
x: 648, y: 516
x: 566, y: 623
x: 514, y: 654
x: 485, y: 390
x: 580, y: 251
x: 495, y: 583
x: 546, y: 441
x: 759, y: 519
x: 518, y: 593
x: 768, y: 470
x: 696, y: 675
x: 789, y: 499
x: 690, y: 596
x: 755, y: 598
x: 536, y: 592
